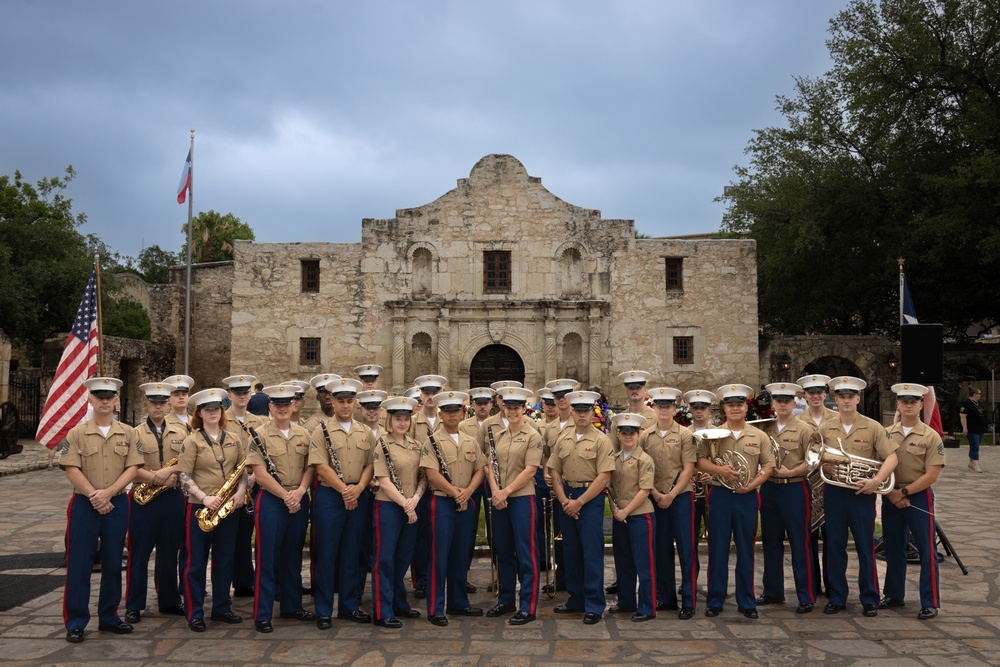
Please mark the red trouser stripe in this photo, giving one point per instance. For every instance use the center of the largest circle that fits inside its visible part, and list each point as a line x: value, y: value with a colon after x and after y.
x: 930, y: 543
x: 432, y: 565
x: 256, y: 553
x: 651, y: 537
x: 534, y: 560
x: 376, y: 580
x: 807, y: 539
x: 69, y: 517
x: 187, y: 570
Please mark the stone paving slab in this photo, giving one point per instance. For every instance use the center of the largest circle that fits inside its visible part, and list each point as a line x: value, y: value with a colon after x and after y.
x: 967, y: 632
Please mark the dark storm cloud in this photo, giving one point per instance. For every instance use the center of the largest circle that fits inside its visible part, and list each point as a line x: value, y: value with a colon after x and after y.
x: 313, y: 115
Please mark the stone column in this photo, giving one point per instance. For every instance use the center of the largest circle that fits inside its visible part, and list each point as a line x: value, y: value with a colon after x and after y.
x: 596, y: 347
x: 549, y: 356
x: 444, y: 346
x: 398, y: 350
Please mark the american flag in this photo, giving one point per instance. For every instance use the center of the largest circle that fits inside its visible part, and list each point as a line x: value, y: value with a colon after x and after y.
x: 66, y: 405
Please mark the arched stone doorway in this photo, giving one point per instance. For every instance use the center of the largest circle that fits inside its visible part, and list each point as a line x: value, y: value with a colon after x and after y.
x: 834, y: 366
x: 495, y: 362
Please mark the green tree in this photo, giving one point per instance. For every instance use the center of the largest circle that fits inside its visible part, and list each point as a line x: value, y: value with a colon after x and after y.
x: 154, y: 264
x: 894, y: 152
x: 125, y: 317
x: 212, y: 236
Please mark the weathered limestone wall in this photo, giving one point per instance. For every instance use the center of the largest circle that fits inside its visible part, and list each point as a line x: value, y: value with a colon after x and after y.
x: 211, y: 320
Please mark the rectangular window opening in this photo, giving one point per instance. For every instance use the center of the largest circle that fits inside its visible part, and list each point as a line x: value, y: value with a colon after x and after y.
x: 310, y: 275
x: 496, y: 271
x: 309, y: 352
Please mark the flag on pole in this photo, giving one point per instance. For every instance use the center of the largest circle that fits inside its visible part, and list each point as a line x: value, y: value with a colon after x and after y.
x: 66, y: 404
x: 909, y: 313
x: 185, y: 184
x: 932, y: 413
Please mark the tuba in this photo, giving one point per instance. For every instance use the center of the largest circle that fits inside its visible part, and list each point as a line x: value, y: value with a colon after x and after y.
x: 839, y: 468
x: 209, y: 519
x: 728, y: 458
x: 143, y: 493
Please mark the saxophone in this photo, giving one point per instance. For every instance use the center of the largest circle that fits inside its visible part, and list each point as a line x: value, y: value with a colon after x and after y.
x: 143, y: 493
x: 209, y: 519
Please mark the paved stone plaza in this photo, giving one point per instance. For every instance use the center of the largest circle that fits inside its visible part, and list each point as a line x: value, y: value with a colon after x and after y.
x: 967, y: 632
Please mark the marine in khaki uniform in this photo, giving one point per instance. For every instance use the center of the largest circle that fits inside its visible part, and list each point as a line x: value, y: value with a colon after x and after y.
x: 210, y: 456
x: 452, y: 508
x: 550, y: 432
x: 179, y: 400
x: 323, y: 399
x: 279, y: 454
x: 910, y: 505
x: 368, y: 374
x: 100, y: 459
x: 340, y: 512
x: 635, y: 387
x: 397, y: 468
x: 786, y: 502
x: 733, y: 514
x: 815, y: 387
x: 633, y: 532
x: 427, y: 416
x: 581, y: 463
x: 299, y: 401
x: 674, y: 455
x: 849, y: 509
x: 815, y: 390
x: 427, y: 419
x: 158, y: 524
x: 514, y: 456
x: 370, y: 408
x: 481, y: 401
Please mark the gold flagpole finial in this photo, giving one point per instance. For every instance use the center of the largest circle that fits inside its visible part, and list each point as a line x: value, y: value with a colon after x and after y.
x: 900, y: 260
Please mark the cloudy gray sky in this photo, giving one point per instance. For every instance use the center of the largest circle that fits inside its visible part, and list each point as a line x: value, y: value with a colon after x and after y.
x: 312, y: 115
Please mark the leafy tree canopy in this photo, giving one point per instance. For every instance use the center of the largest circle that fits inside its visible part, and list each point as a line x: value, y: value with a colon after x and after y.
x: 212, y: 236
x: 894, y: 152
x: 154, y: 263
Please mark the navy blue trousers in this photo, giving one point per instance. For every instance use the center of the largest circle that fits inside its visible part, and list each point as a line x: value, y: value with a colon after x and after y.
x: 393, y: 551
x: 845, y: 510
x: 732, y: 517
x: 422, y: 548
x: 583, y: 553
x: 159, y: 524
x: 280, y: 538
x: 675, y: 536
x: 635, y: 560
x: 514, y: 543
x: 221, y: 542
x: 87, y: 533
x: 337, y: 539
x: 243, y: 575
x: 895, y: 524
x: 451, y: 532
x: 786, y: 509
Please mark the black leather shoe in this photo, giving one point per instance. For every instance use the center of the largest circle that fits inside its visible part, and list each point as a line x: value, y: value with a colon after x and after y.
x: 263, y: 626
x: 307, y: 590
x: 324, y: 622
x: 132, y: 616
x: 74, y: 636
x: 520, y: 618
x: 926, y: 613
x: 420, y: 592
x: 712, y: 612
x: 197, y: 625
x: 832, y: 608
x: 749, y: 612
x: 804, y: 608
x: 563, y: 609
x: 408, y: 613
x: 440, y: 621
x: 119, y: 628
x: 176, y: 610
x: 300, y: 615
x: 666, y: 606
x: 591, y: 619
x: 890, y: 603
x: 392, y: 623
x: 243, y: 592
x: 499, y: 609
x: 469, y: 588
x: 686, y: 613
x: 618, y: 609
x: 870, y: 610
x: 612, y: 589
x: 767, y: 599
x: 468, y: 611
x: 641, y: 618
x: 356, y: 616
x: 230, y: 617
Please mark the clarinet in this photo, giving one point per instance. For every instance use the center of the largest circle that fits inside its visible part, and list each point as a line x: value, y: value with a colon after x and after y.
x: 614, y: 501
x: 440, y: 457
x: 333, y: 455
x: 393, y: 477
x: 494, y: 463
x: 271, y: 469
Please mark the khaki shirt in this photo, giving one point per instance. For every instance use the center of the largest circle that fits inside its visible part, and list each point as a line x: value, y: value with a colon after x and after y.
x: 171, y: 418
x: 631, y: 476
x: 406, y: 460
x: 419, y: 424
x: 237, y: 428
x: 669, y: 453
x: 463, y: 458
x: 173, y: 439
x: 202, y: 461
x: 470, y: 427
x: 289, y: 455
x: 515, y: 452
x: 550, y: 433
x: 582, y: 460
x: 867, y: 438
x: 647, y: 412
x: 483, y: 437
x: 354, y: 450
x: 793, y: 443
x: 101, y: 459
x: 827, y: 414
x: 312, y: 423
x: 753, y: 444
x: 919, y: 450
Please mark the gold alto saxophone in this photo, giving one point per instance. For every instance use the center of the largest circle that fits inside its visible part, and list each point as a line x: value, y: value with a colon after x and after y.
x: 209, y: 519
x: 143, y: 493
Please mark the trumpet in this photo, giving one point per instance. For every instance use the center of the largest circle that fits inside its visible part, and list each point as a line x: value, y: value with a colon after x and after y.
x: 728, y: 458
x: 143, y: 493
x: 839, y: 468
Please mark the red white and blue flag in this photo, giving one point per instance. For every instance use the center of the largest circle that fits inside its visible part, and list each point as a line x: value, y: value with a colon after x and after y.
x: 66, y: 405
x: 185, y: 184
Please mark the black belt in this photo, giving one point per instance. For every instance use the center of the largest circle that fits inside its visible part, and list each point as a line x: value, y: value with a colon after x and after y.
x: 578, y: 485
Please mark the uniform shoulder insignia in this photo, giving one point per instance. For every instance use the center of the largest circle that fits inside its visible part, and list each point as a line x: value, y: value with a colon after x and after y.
x: 941, y: 448
x: 377, y: 456
x: 253, y: 447
x: 183, y: 447
x: 423, y: 450
x: 887, y: 434
x: 313, y: 445
x: 649, y: 468
x: 64, y: 446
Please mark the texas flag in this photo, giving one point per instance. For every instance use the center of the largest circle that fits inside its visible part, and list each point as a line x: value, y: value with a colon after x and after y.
x: 185, y: 184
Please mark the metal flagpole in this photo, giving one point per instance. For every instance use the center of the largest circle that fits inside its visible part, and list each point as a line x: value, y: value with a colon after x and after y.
x: 187, y: 291
x: 100, y: 326
x: 901, y: 321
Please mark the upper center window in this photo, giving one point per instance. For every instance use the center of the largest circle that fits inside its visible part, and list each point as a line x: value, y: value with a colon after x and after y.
x: 496, y: 271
